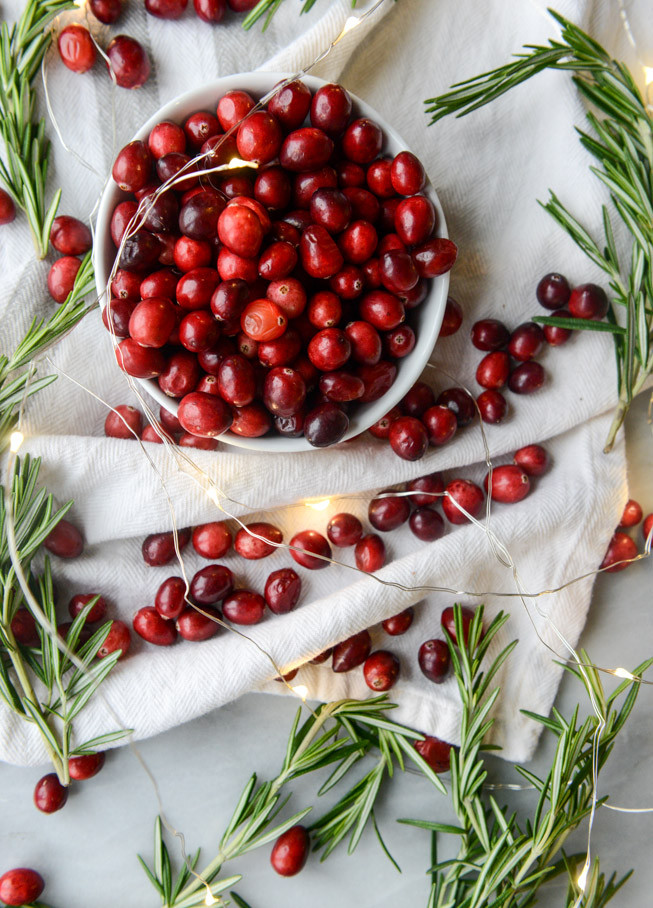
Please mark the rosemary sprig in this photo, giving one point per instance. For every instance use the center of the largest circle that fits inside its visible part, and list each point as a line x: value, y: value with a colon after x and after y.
x: 66, y: 691
x: 621, y: 141
x: 27, y: 149
x: 268, y: 8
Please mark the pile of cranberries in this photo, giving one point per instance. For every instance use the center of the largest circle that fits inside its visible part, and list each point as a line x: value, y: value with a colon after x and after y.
x: 273, y: 301
x: 623, y: 548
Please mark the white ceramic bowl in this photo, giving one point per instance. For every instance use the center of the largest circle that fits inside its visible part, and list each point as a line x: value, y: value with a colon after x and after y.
x: 426, y: 319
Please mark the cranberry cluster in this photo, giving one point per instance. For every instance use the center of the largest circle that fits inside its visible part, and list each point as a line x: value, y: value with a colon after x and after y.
x: 127, y: 58
x: 211, y: 11
x: 623, y: 548
x: 282, y: 299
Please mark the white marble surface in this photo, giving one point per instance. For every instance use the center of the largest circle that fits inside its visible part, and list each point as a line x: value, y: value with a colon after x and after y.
x: 87, y: 852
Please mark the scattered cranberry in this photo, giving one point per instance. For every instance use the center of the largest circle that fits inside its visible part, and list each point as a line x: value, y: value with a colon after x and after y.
x: 70, y: 236
x: 212, y: 540
x: 388, y: 513
x: 588, y: 301
x: 107, y: 11
x: 555, y: 336
x: 128, y: 62
x: 466, y: 494
x: 290, y: 851
x: 381, y: 670
x: 352, y: 652
x: 64, y: 540
x: 118, y: 638
x: 553, y: 291
x: 493, y: 370
x: 492, y: 406
x: 244, y: 607
x: 61, y: 277
x: 526, y: 341
x: 426, y: 524
x: 526, y: 378
x: 84, y: 767
x: 344, y: 529
x: 197, y: 625
x: 50, y: 795
x: 159, y: 548
x: 632, y: 514
x: 7, y: 208
x: 449, y: 625
x: 398, y: 624
x: 125, y: 422
x: 428, y: 490
x: 621, y: 549
x: 489, y: 334
x: 23, y: 627
x: 453, y: 316
x: 20, y: 886
x: 170, y: 599
x: 434, y: 660
x: 149, y: 625
x: 282, y: 590
x: 418, y: 400
x: 166, y: 9
x: 79, y: 602
x: 310, y: 543
x: 76, y: 48
x: 533, y: 459
x: 435, y: 752
x: 408, y: 438
x: 509, y: 483
x: 249, y: 546
x: 211, y: 584
x: 441, y: 425
x: 460, y: 403
x: 647, y: 526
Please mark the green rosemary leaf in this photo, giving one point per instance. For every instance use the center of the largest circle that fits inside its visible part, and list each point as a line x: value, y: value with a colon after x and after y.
x: 277, y: 831
x: 580, y: 324
x: 153, y: 880
x: 183, y: 876
x: 198, y: 899
x: 239, y: 901
x: 101, y: 741
x: 382, y: 843
x: 434, y: 827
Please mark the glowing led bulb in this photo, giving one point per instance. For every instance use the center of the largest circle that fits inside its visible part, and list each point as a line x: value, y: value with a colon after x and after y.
x: 582, y: 879
x: 210, y: 898
x: 15, y: 441
x: 624, y: 673
x: 648, y: 74
x: 301, y: 690
x: 319, y: 505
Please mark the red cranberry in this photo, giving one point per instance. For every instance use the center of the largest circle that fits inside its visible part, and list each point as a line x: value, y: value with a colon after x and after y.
x: 588, y: 301
x: 358, y: 242
x: 290, y: 105
x: 555, y: 336
x: 320, y: 256
x: 251, y: 421
x: 426, y: 524
x: 212, y: 540
x: 526, y: 378
x: 322, y: 657
x: 381, y: 309
x: 141, y: 362
x: 107, y: 11
x: 151, y: 434
x: 390, y: 243
x: 435, y: 752
x: 331, y: 209
x: 263, y: 320
x: 492, y: 406
x: 166, y: 138
x: 159, y: 548
x: 152, y: 322
x: 166, y: 9
x: 84, y: 767
x: 453, y: 318
x: 441, y: 425
x: 434, y: 660
x: 180, y: 374
x: 50, y: 795
x: 352, y: 652
x: 192, y: 441
x: 325, y: 425
x: 329, y: 349
x: 140, y: 251
x: 23, y: 627
x: 204, y: 414
x: 364, y: 205
x: 284, y: 391
x: 415, y: 220
x: 418, y: 400
x: 305, y: 149
x: 400, y: 341
x: 277, y: 262
x: 170, y: 599
x: 120, y: 220
x: 197, y: 625
x: 621, y: 549
x: 289, y: 295
x: 310, y: 543
x: 379, y: 179
x: 234, y: 107
x: 273, y: 189
x: 64, y: 540
x: 412, y: 298
x: 448, y: 623
x: 128, y: 62
x: 493, y: 370
x: 533, y: 460
x: 304, y: 187
x: 211, y: 584
x: 76, y: 48
x: 397, y: 271
x: 377, y: 379
x: 388, y: 513
x: 149, y: 625
x: 119, y: 312
x: 381, y: 428
x: 282, y: 590
x: 348, y: 283
x: 387, y: 212
x: 647, y: 526
x: 350, y: 174
x: 460, y: 403
x: 199, y: 216
x: 61, y: 277
x: 232, y: 267
x: 280, y: 352
x: 381, y: 670
x: 162, y: 283
x: 79, y: 602
x: 553, y: 291
x: 126, y: 286
x: 398, y: 624
x: 369, y: 553
x: 509, y: 483
x: 70, y: 236
x: 247, y: 545
x: 365, y: 343
x: 7, y: 208
x: 435, y: 257
x: 236, y: 380
x: 180, y: 171
x: 240, y: 230
x: 362, y: 141
x: 408, y: 438
x: 466, y: 494
x: 428, y: 489
x: 331, y: 109
x: 20, y: 886
x: 126, y: 422
x: 526, y: 341
x: 341, y: 387
x: 244, y: 607
x: 290, y: 851
x: 632, y: 514
x: 325, y: 310
x: 290, y: 426
x: 344, y: 529
x: 131, y: 169
x: 407, y: 174
x: 489, y: 334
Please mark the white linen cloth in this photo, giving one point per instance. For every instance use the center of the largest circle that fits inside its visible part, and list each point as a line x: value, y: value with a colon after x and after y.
x: 489, y: 169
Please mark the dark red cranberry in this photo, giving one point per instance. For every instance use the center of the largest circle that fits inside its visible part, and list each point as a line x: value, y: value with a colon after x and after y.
x: 381, y: 309
x: 282, y: 590
x: 441, y: 424
x: 378, y: 379
x: 466, y: 494
x: 331, y: 209
x: 211, y: 11
x: 284, y: 391
x: 166, y: 9
x: 320, y: 256
x: 588, y: 301
x: 449, y: 625
x: 426, y: 524
x: 107, y: 11
x: 204, y: 414
x: 553, y: 291
x: 453, y: 318
x: 199, y: 625
x: 273, y: 189
x: 277, y: 261
x: 526, y: 378
x: 236, y: 380
x: 199, y: 216
x: 70, y: 236
x: 306, y: 149
x: 555, y: 336
x: 415, y: 220
x: 460, y: 403
x: 365, y: 343
x: 64, y: 540
x: 509, y: 483
x: 369, y: 553
x: 493, y: 370
x: 310, y: 543
x: 322, y: 657
x: 76, y: 48
x: 198, y: 331
x: 180, y: 374
x: 179, y: 170
x: 408, y: 438
x: 407, y: 174
x: 413, y: 298
x: 117, y: 314
x: 331, y: 109
x: 84, y: 767
x: 381, y: 670
x: 400, y: 341
x: 389, y: 512
x: 390, y: 243
x: 398, y: 624
x: 418, y: 400
x: 128, y: 62
x: 533, y: 459
x: 159, y: 548
x: 341, y: 387
x: 290, y: 851
x: 20, y: 886
x: 489, y: 334
x: 362, y: 141
x: 211, y: 584
x: 304, y: 187
x: 23, y: 627
x: 348, y: 283
x: 140, y: 251
x: 435, y: 257
x: 387, y: 213
x: 350, y: 175
x: 352, y: 652
x: 492, y: 406
x: 428, y: 490
x: 325, y: 425
x: 170, y: 599
x: 526, y: 341
x: 290, y: 105
x: 149, y: 625
x: 379, y: 179
x: 632, y: 514
x: 244, y: 607
x: 247, y: 545
x: 125, y: 422
x: 50, y: 795
x: 436, y: 753
x: 193, y: 441
x: 434, y: 660
x: 397, y: 271
x: 237, y: 186
x: 79, y: 602
x: 344, y: 529
x: 212, y: 540
x: 364, y: 205
x: 61, y: 277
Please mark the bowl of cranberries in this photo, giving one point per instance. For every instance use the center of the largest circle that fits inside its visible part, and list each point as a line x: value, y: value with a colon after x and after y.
x: 286, y: 287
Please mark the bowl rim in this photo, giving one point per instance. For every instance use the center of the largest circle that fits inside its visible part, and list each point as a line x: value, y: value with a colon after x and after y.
x: 409, y: 367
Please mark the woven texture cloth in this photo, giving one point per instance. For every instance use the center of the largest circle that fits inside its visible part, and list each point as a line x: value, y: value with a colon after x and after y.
x: 488, y: 169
